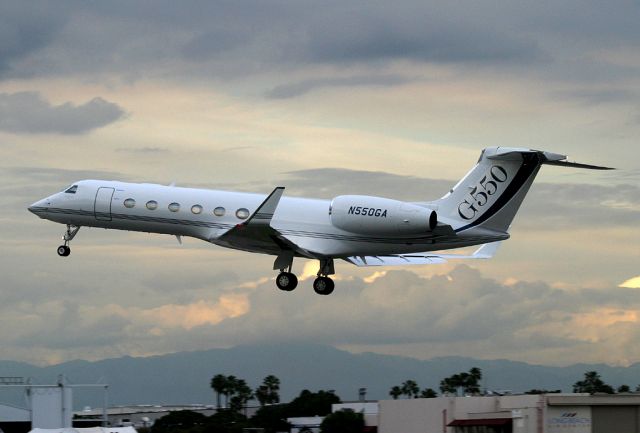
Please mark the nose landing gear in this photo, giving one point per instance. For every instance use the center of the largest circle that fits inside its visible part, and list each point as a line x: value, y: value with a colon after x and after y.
x: 65, y: 250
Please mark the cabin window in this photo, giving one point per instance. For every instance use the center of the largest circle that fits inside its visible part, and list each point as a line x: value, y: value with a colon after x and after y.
x: 129, y: 203
x: 72, y: 190
x: 196, y: 209
x: 242, y: 213
x: 174, y: 207
x: 219, y: 211
x: 152, y: 205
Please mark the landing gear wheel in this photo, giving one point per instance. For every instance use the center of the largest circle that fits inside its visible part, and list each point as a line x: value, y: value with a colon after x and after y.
x: 286, y: 281
x: 323, y: 285
x: 72, y: 231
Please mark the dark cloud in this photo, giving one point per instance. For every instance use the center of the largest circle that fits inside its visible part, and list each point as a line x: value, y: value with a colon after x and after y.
x: 230, y: 38
x: 226, y: 39
x: 29, y: 112
x: 285, y: 91
x: 26, y: 28
x: 414, y: 31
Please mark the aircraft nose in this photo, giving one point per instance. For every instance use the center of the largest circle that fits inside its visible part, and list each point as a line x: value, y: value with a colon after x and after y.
x: 39, y: 207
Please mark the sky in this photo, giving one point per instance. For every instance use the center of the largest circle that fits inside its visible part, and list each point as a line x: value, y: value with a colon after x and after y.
x: 395, y: 99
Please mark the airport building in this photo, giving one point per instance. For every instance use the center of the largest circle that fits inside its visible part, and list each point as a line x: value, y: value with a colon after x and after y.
x: 547, y: 413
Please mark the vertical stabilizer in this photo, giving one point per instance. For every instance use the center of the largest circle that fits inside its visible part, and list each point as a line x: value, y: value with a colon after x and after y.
x: 491, y: 193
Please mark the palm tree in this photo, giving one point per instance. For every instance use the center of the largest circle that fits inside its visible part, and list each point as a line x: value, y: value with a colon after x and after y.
x: 428, y: 393
x: 448, y: 386
x: 473, y: 381
x: 230, y: 389
x: 396, y: 392
x: 242, y: 394
x: 218, y: 383
x: 410, y: 389
x: 267, y: 393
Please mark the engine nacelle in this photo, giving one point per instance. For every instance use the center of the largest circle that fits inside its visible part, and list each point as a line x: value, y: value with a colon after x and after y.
x: 380, y: 216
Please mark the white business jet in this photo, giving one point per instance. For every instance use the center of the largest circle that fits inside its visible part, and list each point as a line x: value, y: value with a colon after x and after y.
x: 363, y: 230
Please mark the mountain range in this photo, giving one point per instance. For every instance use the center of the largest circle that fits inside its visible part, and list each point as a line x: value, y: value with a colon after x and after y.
x: 184, y: 377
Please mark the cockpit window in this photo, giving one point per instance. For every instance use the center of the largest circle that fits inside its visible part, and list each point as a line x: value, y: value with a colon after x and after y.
x: 72, y: 189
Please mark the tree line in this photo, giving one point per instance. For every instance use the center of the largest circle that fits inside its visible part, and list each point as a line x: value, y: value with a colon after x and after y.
x: 237, y: 393
x: 231, y: 417
x: 468, y: 383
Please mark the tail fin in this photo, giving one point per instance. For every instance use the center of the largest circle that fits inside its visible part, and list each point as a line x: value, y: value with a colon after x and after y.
x: 491, y: 193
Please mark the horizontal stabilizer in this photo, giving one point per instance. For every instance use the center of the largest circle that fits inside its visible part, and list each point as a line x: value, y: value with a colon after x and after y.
x: 577, y: 165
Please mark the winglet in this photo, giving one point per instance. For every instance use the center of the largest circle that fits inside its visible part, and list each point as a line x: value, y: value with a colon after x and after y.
x: 264, y: 212
x: 486, y: 251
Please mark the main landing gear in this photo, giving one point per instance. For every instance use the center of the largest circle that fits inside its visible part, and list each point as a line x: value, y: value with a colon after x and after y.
x: 323, y: 285
x: 287, y: 281
x: 65, y: 250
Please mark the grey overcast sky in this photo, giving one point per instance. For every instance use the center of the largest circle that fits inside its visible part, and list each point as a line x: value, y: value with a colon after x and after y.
x: 373, y: 97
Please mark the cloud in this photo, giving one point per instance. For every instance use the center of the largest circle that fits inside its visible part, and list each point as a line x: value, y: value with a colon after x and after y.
x: 29, y: 112
x: 26, y: 28
x: 631, y: 283
x: 226, y: 39
x: 448, y: 311
x: 461, y: 312
x: 291, y: 90
x: 412, y: 31
x: 66, y: 325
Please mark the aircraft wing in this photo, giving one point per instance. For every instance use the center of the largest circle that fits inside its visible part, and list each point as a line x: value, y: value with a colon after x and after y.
x: 256, y: 233
x: 486, y: 251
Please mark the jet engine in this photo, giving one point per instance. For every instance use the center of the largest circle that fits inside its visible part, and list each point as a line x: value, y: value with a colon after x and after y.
x: 380, y: 216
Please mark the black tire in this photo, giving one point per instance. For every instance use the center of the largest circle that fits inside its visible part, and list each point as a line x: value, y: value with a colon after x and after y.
x: 323, y: 285
x: 63, y: 251
x: 286, y: 281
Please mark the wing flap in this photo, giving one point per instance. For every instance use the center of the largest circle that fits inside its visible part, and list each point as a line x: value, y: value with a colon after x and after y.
x: 396, y: 260
x: 486, y: 251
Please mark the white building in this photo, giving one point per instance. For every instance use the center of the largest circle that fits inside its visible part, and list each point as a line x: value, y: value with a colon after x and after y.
x: 548, y: 413
x: 305, y: 424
